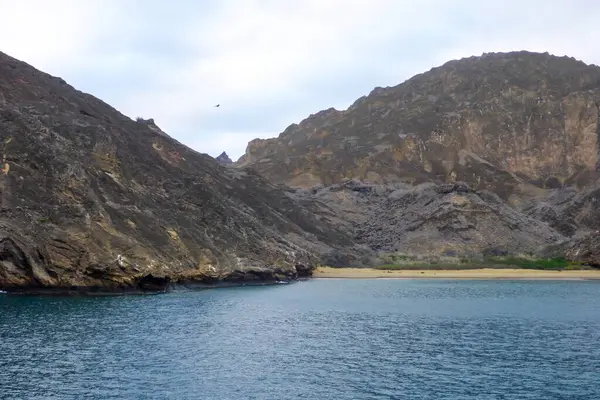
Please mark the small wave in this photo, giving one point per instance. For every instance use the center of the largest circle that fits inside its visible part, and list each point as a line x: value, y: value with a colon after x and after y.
x: 2, y: 292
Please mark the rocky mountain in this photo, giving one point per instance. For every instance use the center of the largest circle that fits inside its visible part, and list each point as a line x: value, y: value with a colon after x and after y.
x: 491, y: 155
x: 496, y: 154
x: 92, y: 200
x: 504, y: 122
x: 224, y: 159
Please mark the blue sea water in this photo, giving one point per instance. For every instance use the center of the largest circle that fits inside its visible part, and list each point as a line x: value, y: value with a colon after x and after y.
x: 317, y: 339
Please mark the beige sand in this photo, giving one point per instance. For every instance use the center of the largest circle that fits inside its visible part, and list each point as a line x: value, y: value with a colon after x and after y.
x: 483, y: 273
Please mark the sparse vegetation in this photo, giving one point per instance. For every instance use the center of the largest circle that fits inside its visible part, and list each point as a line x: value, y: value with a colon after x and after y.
x: 529, y: 263
x: 524, y: 262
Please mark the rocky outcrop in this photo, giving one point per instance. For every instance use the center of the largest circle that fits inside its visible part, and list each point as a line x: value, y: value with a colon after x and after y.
x: 504, y: 122
x: 569, y: 210
x: 586, y: 250
x: 429, y: 220
x: 224, y: 159
x: 92, y: 200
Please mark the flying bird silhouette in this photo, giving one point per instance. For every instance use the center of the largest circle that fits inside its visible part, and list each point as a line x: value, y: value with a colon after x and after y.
x: 218, y: 105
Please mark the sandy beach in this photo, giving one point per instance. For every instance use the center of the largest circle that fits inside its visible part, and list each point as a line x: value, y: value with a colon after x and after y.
x: 483, y: 273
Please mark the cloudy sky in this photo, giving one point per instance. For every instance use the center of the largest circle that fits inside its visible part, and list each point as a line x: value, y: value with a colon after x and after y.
x: 270, y: 63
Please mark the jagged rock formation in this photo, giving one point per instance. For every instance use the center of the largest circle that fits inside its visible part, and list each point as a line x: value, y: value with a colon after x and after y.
x: 574, y: 213
x: 586, y: 250
x: 568, y: 210
x: 505, y: 122
x: 151, y: 125
x: 92, y: 199
x: 429, y: 220
x: 224, y: 159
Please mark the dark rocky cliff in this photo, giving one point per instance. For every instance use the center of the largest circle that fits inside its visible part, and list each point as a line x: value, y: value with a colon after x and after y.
x: 501, y: 122
x: 93, y: 200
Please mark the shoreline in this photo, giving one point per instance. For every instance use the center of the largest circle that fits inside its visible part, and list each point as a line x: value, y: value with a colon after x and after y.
x: 325, y: 273
x: 480, y: 273
x: 171, y: 288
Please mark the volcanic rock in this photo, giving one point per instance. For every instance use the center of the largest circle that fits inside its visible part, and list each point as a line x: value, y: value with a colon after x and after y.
x: 224, y: 159
x: 500, y: 122
x: 429, y: 220
x: 94, y: 201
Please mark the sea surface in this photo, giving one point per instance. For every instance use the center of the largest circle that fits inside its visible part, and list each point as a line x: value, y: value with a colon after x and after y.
x: 317, y: 339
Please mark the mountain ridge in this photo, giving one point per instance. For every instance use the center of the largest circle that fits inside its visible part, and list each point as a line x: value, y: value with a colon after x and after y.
x: 442, y: 125
x: 456, y: 167
x: 95, y: 201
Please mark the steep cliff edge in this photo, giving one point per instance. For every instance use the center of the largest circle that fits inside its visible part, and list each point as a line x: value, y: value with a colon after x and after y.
x: 503, y: 122
x: 92, y: 200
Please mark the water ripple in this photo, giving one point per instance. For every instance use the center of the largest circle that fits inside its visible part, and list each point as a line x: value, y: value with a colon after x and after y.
x: 321, y: 339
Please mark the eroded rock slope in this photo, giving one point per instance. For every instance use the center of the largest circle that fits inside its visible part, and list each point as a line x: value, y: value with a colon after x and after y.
x: 429, y: 221
x: 92, y: 199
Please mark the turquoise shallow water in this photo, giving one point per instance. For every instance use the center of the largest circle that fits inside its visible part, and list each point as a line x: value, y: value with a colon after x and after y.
x: 318, y: 339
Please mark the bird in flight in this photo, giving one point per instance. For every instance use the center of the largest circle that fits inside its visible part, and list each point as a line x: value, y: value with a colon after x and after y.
x: 218, y: 105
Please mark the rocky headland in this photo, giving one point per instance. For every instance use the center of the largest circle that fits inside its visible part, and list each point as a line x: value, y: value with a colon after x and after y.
x: 94, y: 201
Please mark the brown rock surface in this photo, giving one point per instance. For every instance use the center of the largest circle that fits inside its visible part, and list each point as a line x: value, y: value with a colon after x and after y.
x: 569, y: 210
x: 501, y: 121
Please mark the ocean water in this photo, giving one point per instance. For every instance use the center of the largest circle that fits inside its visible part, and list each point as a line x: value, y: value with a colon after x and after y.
x: 317, y: 339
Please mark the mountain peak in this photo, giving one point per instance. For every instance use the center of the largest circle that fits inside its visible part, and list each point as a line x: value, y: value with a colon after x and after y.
x: 496, y: 121
x: 224, y: 159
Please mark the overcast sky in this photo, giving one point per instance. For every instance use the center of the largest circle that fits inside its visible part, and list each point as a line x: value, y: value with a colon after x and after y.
x: 270, y: 63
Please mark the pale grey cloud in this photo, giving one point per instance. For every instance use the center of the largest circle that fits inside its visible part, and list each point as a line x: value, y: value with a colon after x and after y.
x: 271, y: 63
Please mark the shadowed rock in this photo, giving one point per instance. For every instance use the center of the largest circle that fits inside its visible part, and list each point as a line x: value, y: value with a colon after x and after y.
x: 429, y: 220
x: 224, y: 159
x: 568, y: 210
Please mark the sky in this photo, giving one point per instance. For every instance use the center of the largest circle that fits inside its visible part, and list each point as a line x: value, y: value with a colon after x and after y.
x: 271, y: 63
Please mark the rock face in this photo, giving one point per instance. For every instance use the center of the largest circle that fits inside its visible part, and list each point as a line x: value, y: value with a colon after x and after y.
x: 586, y: 250
x: 492, y: 154
x: 224, y: 159
x: 567, y: 209
x: 92, y: 199
x: 576, y: 214
x: 429, y: 220
x: 500, y: 122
